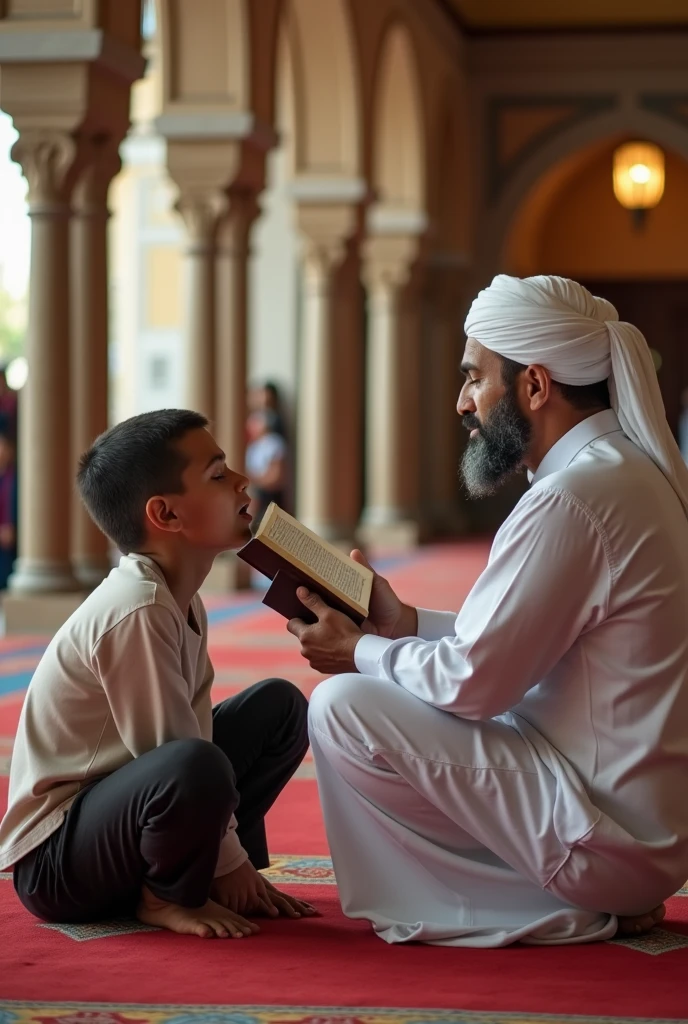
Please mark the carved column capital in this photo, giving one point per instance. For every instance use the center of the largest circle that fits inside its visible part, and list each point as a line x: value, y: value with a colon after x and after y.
x: 201, y: 212
x: 48, y: 159
x: 101, y: 163
x: 390, y: 262
x: 327, y: 230
x: 234, y: 230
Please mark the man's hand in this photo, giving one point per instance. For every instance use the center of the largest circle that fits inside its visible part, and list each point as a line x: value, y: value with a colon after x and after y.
x: 329, y: 644
x: 388, y: 616
x: 245, y: 891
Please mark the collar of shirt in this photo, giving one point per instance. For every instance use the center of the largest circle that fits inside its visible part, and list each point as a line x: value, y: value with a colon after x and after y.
x: 567, y: 447
x: 133, y: 557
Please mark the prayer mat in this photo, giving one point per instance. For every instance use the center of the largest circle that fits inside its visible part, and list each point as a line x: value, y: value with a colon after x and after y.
x: 326, y: 970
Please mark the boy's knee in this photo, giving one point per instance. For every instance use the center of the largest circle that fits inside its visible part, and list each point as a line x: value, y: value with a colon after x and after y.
x: 285, y: 696
x: 202, y: 772
x: 288, y: 705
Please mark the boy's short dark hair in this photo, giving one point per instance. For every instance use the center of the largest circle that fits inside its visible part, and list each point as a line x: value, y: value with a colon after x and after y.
x: 130, y: 463
x: 580, y: 396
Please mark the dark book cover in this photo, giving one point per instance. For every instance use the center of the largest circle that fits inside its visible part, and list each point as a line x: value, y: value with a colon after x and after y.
x: 281, y: 595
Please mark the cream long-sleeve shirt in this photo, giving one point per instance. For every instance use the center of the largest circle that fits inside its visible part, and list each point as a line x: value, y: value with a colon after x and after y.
x: 576, y: 635
x: 126, y: 673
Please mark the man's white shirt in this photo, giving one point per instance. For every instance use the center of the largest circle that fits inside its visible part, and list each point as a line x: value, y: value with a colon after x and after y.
x: 576, y: 635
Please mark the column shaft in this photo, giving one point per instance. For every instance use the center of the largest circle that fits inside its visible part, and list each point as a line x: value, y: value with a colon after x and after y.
x: 46, y: 476
x: 390, y: 516
x: 317, y: 422
x: 232, y: 327
x: 201, y: 216
x: 328, y: 469
x: 384, y: 498
x: 90, y: 325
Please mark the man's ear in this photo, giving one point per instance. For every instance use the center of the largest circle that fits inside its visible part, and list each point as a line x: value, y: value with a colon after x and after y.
x: 538, y: 386
x: 161, y: 515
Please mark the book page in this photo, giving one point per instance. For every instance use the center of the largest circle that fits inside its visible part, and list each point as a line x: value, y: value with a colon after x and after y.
x: 336, y: 570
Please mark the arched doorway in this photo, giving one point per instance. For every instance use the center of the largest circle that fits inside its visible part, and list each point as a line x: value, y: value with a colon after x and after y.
x: 571, y: 224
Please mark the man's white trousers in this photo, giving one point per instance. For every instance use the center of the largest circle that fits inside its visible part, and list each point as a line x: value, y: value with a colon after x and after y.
x: 441, y: 828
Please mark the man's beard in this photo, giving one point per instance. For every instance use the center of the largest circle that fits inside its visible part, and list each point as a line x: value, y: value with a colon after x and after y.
x: 498, y: 450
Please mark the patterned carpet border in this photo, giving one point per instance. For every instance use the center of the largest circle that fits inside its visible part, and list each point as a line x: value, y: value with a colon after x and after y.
x: 285, y: 869
x: 20, y: 1012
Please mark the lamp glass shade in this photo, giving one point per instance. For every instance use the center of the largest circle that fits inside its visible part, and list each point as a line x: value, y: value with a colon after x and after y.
x: 638, y: 175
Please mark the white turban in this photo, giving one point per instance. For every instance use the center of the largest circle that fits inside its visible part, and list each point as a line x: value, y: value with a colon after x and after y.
x: 579, y: 338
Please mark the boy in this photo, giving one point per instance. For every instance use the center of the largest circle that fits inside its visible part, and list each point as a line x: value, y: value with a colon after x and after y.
x: 124, y: 780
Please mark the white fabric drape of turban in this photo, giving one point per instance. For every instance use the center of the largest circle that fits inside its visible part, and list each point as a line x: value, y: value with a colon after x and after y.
x: 579, y: 338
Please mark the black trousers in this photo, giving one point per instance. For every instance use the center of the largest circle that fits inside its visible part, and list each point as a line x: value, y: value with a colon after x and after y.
x: 159, y: 820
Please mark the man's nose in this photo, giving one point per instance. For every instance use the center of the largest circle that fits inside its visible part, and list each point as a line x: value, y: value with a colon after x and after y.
x: 465, y: 403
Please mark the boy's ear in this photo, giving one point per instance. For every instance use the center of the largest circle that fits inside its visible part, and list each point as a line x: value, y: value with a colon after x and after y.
x: 161, y: 516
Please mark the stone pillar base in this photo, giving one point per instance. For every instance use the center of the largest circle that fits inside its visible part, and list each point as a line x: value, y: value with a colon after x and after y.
x: 39, y: 613
x: 227, y: 575
x: 400, y: 536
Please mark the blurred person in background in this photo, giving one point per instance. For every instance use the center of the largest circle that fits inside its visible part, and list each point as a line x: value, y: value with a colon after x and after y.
x: 266, y: 462
x: 8, y: 407
x: 8, y: 508
x: 267, y: 397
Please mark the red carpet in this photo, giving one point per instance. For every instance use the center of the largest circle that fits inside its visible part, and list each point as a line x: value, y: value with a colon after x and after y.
x: 327, y: 969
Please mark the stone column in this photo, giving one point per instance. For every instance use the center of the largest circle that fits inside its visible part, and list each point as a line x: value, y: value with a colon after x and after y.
x: 390, y: 517
x: 232, y: 327
x: 232, y: 262
x: 220, y: 171
x: 323, y: 381
x: 49, y: 159
x: 90, y: 331
x: 201, y: 214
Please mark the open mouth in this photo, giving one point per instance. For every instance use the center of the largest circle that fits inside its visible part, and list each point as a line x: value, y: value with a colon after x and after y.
x: 244, y: 512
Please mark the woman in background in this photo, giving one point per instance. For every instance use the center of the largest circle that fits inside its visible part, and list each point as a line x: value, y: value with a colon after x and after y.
x: 266, y: 462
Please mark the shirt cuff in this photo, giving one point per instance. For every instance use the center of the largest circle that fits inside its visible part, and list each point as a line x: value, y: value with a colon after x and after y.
x: 232, y: 854
x: 434, y: 625
x: 369, y: 650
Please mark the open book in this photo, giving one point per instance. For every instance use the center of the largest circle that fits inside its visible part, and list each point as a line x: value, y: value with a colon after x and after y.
x: 293, y: 556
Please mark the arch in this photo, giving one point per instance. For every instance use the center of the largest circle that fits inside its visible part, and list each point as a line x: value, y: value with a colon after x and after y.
x: 582, y: 137
x: 398, y: 136
x: 559, y: 240
x: 219, y: 29
x: 326, y: 89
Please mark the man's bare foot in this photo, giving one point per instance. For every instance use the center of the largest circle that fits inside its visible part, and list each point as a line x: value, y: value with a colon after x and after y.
x: 209, y: 921
x: 641, y: 924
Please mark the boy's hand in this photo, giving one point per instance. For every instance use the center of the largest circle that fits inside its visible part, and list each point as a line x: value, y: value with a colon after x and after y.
x: 245, y: 891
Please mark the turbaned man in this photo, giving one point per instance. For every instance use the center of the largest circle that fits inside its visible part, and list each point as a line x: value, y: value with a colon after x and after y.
x: 519, y: 771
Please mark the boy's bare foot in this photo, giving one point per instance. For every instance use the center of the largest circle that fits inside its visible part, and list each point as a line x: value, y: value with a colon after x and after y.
x: 209, y: 921
x: 642, y: 923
